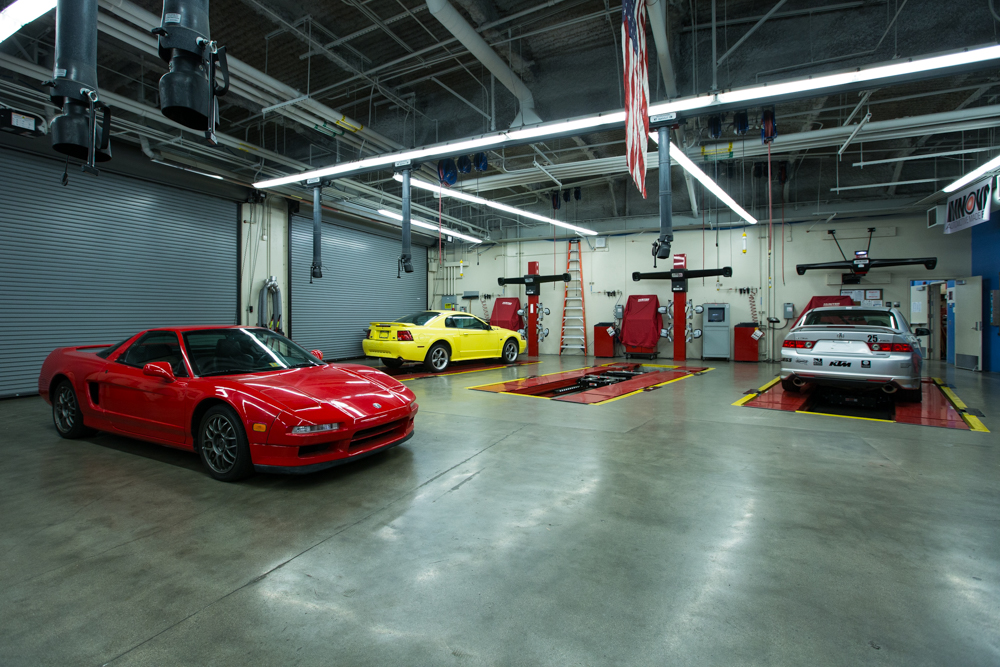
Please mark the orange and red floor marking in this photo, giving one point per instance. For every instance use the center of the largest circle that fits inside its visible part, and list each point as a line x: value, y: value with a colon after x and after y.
x: 940, y: 406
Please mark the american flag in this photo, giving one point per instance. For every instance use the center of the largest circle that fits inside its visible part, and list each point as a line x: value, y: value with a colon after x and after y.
x: 636, y: 89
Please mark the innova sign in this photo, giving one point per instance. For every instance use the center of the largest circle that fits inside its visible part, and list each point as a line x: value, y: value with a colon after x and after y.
x: 969, y: 207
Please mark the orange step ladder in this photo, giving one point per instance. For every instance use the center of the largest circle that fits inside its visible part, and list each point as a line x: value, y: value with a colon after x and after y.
x: 574, y: 317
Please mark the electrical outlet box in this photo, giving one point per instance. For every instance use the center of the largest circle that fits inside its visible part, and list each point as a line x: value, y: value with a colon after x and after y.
x: 789, y: 311
x: 619, y: 312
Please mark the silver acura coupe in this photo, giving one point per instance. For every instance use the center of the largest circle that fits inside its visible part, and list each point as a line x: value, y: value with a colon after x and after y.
x: 854, y: 348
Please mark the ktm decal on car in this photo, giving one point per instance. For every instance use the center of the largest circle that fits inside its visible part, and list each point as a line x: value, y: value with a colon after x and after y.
x: 844, y: 364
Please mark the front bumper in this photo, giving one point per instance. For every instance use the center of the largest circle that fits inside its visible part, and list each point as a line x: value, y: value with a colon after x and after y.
x: 304, y: 453
x: 851, y: 371
x: 394, y: 349
x: 316, y: 467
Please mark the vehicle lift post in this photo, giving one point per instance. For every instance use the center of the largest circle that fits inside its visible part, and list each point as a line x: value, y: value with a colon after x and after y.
x: 533, y: 287
x: 678, y: 285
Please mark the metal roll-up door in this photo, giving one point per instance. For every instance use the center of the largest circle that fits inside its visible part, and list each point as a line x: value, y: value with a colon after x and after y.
x: 101, y: 259
x: 358, y: 286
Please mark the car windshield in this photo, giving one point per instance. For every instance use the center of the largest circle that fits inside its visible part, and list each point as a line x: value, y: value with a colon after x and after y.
x: 420, y: 319
x: 859, y: 318
x: 238, y: 351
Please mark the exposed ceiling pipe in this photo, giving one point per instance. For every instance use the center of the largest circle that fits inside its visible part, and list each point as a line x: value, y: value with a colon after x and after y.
x: 949, y: 121
x: 658, y: 26
x: 250, y: 75
x: 477, y: 46
x: 374, y: 197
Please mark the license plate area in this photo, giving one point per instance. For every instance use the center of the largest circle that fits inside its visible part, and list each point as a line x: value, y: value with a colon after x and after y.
x: 841, y: 347
x: 383, y: 334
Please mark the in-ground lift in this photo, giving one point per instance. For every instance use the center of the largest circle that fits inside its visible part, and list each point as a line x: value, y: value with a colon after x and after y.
x: 939, y: 406
x: 595, y: 385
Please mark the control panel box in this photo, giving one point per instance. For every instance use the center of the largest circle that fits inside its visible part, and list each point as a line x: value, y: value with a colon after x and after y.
x: 716, y: 328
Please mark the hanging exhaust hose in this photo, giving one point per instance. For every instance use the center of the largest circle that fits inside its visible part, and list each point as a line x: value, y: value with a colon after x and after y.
x: 406, y: 257
x: 270, y: 320
x: 317, y: 266
x: 661, y: 248
x: 74, y: 86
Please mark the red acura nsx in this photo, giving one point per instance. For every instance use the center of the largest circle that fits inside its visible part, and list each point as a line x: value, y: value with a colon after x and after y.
x: 245, y: 399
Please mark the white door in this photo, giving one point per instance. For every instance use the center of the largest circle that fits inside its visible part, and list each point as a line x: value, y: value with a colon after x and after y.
x: 969, y: 323
x: 919, y: 309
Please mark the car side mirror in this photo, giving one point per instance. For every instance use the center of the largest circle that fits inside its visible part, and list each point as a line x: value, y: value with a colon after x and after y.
x: 317, y: 353
x: 159, y: 369
x: 921, y: 331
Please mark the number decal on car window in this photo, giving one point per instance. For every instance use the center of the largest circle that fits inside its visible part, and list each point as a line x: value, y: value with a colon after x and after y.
x: 872, y: 339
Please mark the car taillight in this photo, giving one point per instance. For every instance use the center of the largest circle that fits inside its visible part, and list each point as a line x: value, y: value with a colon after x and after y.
x: 807, y: 344
x: 890, y: 347
x: 404, y: 335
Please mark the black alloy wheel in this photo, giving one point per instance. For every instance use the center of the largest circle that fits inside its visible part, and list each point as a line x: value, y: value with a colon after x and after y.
x: 222, y: 445
x: 66, y: 414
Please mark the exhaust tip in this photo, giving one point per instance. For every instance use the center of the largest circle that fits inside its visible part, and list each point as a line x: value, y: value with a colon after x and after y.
x: 798, y: 382
x: 890, y: 388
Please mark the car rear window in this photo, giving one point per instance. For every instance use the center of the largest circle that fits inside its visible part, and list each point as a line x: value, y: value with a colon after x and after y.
x: 420, y: 319
x: 855, y: 318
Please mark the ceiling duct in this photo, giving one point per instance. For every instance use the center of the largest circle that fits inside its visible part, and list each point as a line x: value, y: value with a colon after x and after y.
x: 477, y: 46
x: 74, y: 86
x: 188, y: 92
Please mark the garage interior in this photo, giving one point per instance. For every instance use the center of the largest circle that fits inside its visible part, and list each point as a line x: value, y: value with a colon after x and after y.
x: 373, y: 159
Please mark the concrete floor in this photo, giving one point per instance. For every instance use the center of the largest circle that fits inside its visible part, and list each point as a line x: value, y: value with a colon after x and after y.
x: 668, y: 528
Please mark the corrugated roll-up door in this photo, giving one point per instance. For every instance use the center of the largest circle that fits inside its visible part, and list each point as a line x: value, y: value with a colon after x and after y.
x: 101, y: 259
x: 358, y: 286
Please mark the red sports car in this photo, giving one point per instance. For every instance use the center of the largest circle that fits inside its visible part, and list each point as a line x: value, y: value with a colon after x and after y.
x: 246, y: 399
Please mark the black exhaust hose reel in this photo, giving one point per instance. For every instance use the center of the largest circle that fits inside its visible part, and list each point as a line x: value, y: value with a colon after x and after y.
x: 661, y: 247
x: 406, y: 257
x: 74, y: 86
x: 188, y: 92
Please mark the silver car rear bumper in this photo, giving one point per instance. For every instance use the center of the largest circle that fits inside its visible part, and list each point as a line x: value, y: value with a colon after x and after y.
x: 898, y: 369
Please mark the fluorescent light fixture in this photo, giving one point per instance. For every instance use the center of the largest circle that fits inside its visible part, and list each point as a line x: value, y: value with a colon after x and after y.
x: 690, y: 167
x: 188, y: 169
x: 905, y: 68
x: 992, y: 165
x: 747, y: 96
x: 445, y: 192
x: 427, y: 225
x: 456, y: 148
x: 21, y: 13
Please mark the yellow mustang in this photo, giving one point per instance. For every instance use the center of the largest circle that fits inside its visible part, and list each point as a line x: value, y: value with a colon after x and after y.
x: 435, y: 337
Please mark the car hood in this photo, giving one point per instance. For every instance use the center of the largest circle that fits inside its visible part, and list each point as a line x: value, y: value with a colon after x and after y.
x: 310, y: 392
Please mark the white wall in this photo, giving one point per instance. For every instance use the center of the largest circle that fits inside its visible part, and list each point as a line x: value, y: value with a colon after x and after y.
x: 611, y: 269
x: 263, y: 253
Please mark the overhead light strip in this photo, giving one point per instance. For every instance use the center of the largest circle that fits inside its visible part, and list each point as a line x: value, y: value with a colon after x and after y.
x: 690, y: 167
x: 445, y: 192
x: 427, y: 225
x: 992, y: 165
x: 187, y: 169
x: 748, y: 96
x: 21, y: 13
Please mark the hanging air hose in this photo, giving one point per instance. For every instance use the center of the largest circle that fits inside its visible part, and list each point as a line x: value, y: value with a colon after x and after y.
x: 270, y: 320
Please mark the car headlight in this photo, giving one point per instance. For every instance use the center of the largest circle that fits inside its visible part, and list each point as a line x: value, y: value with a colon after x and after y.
x: 314, y: 428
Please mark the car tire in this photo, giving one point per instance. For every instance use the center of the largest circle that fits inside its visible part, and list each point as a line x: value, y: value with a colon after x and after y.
x: 222, y: 445
x: 910, y: 395
x: 438, y: 358
x: 510, y: 352
x: 790, y: 386
x: 66, y: 413
x: 391, y: 363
